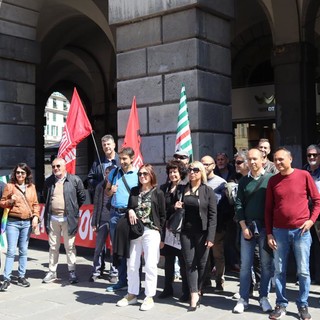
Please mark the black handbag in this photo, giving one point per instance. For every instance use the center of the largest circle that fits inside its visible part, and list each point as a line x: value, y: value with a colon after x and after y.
x: 175, y: 221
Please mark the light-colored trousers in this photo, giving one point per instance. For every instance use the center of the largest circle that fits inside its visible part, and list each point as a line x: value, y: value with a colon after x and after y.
x: 149, y: 244
x: 56, y: 230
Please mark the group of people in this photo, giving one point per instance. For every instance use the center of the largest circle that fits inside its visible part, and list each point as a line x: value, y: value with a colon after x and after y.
x: 275, y: 207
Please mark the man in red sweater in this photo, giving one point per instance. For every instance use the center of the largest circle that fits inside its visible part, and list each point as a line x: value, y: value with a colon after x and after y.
x: 288, y: 221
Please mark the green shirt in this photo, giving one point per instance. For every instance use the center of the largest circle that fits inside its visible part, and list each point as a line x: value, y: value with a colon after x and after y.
x: 250, y: 199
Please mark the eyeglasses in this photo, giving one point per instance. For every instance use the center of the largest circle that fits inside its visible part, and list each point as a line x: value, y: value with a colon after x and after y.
x: 56, y: 166
x: 181, y: 157
x: 207, y: 164
x: 239, y: 162
x: 21, y: 172
x: 140, y: 174
x: 194, y: 170
x: 309, y: 155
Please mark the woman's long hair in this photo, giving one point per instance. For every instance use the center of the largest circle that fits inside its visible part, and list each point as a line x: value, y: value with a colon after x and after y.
x: 26, y: 168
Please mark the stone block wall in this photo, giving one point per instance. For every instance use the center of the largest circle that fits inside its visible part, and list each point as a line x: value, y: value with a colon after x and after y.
x: 158, y: 49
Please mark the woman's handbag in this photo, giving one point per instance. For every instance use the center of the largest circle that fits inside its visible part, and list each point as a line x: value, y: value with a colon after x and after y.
x: 175, y: 221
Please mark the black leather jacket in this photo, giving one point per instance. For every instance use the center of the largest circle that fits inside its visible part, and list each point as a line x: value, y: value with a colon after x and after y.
x: 74, y: 197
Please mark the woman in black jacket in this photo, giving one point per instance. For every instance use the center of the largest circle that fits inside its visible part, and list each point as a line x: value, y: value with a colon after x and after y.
x: 147, y: 204
x: 198, y: 229
x: 170, y: 243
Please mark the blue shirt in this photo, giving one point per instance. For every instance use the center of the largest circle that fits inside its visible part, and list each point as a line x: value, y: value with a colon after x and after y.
x: 121, y: 197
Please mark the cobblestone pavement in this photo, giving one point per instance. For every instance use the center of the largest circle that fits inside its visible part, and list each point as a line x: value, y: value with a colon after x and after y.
x: 86, y: 300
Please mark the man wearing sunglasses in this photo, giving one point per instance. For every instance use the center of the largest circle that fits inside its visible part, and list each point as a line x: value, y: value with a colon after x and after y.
x: 64, y: 194
x: 313, y: 167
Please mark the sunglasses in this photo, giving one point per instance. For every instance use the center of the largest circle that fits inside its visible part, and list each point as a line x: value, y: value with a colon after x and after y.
x: 239, y: 162
x: 56, y: 166
x: 194, y: 170
x: 140, y: 174
x: 21, y: 172
x: 181, y: 157
x: 309, y: 155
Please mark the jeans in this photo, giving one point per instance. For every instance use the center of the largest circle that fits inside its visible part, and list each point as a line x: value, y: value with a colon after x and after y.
x: 122, y: 269
x: 300, y: 244
x: 100, y: 249
x: 195, y: 255
x: 247, y: 255
x: 18, y: 233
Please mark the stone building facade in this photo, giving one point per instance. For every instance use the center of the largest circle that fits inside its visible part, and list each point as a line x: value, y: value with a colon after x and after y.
x: 112, y: 50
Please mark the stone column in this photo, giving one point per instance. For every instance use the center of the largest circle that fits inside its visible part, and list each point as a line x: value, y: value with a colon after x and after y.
x: 17, y: 101
x: 159, y: 47
x: 294, y: 66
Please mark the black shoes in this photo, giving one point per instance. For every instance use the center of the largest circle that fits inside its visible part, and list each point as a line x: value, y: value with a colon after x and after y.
x: 166, y: 293
x: 23, y: 282
x: 5, y: 285
x: 185, y: 297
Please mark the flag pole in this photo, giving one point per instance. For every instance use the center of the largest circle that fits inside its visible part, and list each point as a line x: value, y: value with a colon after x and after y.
x: 95, y: 146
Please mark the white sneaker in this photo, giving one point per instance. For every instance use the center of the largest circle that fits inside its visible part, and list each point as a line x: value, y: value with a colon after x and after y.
x: 147, y: 304
x: 240, y: 306
x: 127, y: 300
x: 265, y: 304
x: 50, y: 277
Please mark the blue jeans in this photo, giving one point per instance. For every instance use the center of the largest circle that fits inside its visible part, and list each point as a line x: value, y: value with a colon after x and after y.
x: 122, y: 269
x: 247, y: 256
x: 18, y: 233
x: 300, y: 244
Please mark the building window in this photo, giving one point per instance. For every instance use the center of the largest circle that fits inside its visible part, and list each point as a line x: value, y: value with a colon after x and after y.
x: 65, y: 107
x: 54, y: 131
x: 64, y: 119
x: 54, y: 117
x: 54, y: 103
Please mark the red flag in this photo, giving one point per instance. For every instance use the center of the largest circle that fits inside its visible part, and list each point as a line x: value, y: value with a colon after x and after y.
x: 76, y: 129
x: 132, y: 138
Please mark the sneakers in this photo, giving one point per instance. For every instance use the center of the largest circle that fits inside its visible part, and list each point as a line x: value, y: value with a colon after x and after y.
x: 240, y: 306
x: 113, y: 279
x: 23, y: 282
x: 278, y: 312
x: 304, y: 314
x: 5, y: 286
x: 147, y: 304
x: 117, y: 286
x: 127, y: 300
x: 265, y: 304
x: 73, y: 277
x: 50, y: 277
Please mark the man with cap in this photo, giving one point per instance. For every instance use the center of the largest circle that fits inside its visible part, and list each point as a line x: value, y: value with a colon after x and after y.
x: 183, y: 156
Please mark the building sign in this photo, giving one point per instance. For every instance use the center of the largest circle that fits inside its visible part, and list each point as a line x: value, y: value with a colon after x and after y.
x: 253, y: 103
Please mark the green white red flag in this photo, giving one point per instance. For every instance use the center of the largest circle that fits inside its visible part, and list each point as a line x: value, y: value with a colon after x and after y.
x: 183, y: 138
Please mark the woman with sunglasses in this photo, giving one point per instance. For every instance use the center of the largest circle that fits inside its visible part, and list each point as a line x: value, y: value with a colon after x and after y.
x: 146, y: 203
x: 199, y: 228
x: 170, y: 245
x: 20, y: 197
